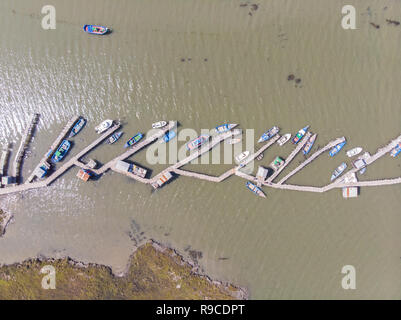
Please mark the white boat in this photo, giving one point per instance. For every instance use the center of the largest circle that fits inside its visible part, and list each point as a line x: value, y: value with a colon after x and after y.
x: 234, y: 141
x: 354, y: 152
x: 159, y: 124
x: 284, y: 139
x: 341, y: 168
x: 242, y: 156
x: 104, y: 126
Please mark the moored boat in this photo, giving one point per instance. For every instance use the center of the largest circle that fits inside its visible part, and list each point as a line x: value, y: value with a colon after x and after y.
x: 269, y: 134
x: 284, y: 139
x: 340, y: 169
x: 114, y: 137
x: 255, y: 189
x: 337, y: 148
x: 300, y: 134
x: 308, y: 146
x: 234, y: 141
x: 196, y: 143
x: 242, y: 156
x: 277, y: 163
x: 225, y: 127
x: 354, y: 152
x: 396, y: 151
x: 106, y: 124
x: 159, y: 124
x: 95, y: 29
x: 168, y: 136
x: 61, y: 151
x: 133, y: 140
x: 77, y: 127
x: 362, y: 171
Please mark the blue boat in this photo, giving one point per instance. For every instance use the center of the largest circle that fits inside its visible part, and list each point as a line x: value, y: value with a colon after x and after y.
x: 300, y: 135
x: 114, y: 137
x: 77, y: 127
x: 225, y: 127
x: 308, y: 146
x: 168, y: 136
x: 396, y: 151
x: 61, y: 151
x: 94, y: 29
x: 268, y: 134
x: 255, y: 189
x: 337, y: 148
x: 134, y: 140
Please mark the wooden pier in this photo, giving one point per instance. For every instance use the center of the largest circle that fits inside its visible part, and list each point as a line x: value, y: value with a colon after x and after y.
x: 292, y: 155
x: 176, y: 168
x: 54, y: 146
x: 26, y: 138
x: 327, y: 147
x: 4, y: 160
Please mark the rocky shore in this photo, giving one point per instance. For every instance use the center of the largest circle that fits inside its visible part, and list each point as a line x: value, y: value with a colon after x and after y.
x: 154, y: 271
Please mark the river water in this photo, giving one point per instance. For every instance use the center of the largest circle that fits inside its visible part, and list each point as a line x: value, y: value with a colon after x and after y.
x: 204, y: 63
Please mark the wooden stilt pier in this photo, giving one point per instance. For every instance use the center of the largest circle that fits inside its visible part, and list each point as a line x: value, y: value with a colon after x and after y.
x: 176, y: 168
x: 26, y: 138
x: 292, y: 155
x: 54, y: 146
x: 329, y: 146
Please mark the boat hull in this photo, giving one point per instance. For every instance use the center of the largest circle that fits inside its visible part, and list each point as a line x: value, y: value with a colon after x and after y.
x: 196, y: 143
x: 61, y: 151
x: 133, y: 140
x: 225, y: 127
x: 114, y: 138
x: 308, y: 146
x: 168, y: 136
x: 337, y: 149
x: 77, y: 127
x: 255, y: 189
x: 269, y: 134
x: 340, y: 169
x: 300, y: 134
x: 396, y: 151
x: 95, y: 29
x: 284, y: 139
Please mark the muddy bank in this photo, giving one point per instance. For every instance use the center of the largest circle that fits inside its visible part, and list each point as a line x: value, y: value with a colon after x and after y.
x: 154, y: 272
x: 5, y: 219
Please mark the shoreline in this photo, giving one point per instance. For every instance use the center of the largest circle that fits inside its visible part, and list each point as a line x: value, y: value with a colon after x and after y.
x: 160, y: 268
x: 5, y: 219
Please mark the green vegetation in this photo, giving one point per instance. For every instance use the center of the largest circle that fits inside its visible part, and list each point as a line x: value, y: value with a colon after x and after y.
x: 153, y: 273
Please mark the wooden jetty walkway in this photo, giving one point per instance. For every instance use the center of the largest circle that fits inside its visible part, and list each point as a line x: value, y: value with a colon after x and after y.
x: 4, y: 160
x: 329, y: 146
x: 292, y: 155
x: 26, y: 138
x: 176, y: 168
x: 54, y: 146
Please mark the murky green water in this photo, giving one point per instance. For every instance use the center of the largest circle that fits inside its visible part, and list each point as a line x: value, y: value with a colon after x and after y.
x: 235, y: 68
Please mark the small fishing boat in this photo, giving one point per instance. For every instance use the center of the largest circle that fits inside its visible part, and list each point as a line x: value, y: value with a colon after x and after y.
x: 61, y: 151
x: 284, y: 139
x: 337, y: 148
x: 362, y: 171
x: 242, y: 156
x: 103, y: 126
x: 255, y: 189
x: 269, y: 134
x: 77, y: 127
x: 225, y: 127
x: 95, y: 29
x: 168, y: 136
x: 338, y: 171
x: 308, y: 146
x: 133, y: 140
x: 354, y: 152
x: 234, y: 141
x: 159, y: 124
x: 114, y: 137
x: 396, y: 151
x: 277, y: 163
x: 300, y: 134
x: 196, y: 143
